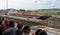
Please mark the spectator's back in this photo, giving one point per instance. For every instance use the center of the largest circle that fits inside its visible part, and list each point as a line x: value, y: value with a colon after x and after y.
x: 11, y: 30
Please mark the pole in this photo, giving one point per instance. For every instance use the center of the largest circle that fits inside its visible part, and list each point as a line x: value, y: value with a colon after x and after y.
x: 6, y: 4
x: 6, y: 7
x: 36, y: 5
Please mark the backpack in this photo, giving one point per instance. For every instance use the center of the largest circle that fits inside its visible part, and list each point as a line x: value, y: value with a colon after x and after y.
x: 4, y: 27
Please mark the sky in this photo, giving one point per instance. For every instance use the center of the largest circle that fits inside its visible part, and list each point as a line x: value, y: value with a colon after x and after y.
x: 30, y: 4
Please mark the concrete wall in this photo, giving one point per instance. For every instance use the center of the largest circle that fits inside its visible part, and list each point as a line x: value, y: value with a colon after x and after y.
x: 52, y: 22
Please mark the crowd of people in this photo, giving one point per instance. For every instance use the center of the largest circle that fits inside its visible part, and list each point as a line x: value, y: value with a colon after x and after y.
x: 7, y: 27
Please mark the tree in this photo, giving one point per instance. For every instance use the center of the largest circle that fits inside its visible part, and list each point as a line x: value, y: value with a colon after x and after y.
x: 57, y: 13
x: 22, y: 10
x: 28, y: 11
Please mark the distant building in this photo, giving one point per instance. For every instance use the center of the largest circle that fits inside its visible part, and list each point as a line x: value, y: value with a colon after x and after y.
x: 12, y: 12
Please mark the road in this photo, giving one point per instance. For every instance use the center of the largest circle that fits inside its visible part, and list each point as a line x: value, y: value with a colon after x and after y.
x: 49, y: 30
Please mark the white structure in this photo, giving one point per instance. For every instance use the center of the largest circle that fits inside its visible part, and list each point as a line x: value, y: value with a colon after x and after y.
x: 12, y: 12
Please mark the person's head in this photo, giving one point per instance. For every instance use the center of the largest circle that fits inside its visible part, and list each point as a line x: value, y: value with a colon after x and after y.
x: 19, y: 26
x: 26, y: 29
x: 27, y: 26
x: 11, y: 23
x: 37, y: 32
x: 0, y: 22
x: 42, y: 33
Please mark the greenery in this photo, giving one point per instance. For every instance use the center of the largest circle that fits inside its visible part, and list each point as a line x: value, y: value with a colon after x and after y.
x: 44, y: 11
x: 40, y: 11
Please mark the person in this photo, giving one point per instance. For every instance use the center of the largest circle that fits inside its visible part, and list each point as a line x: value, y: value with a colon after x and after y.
x: 0, y: 27
x: 11, y: 23
x: 26, y: 29
x: 40, y: 32
x: 4, y: 26
x: 19, y: 31
x: 6, y: 21
x: 11, y: 30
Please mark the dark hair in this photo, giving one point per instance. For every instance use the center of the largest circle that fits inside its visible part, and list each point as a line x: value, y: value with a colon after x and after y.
x: 37, y: 32
x: 42, y: 33
x: 26, y: 29
x: 11, y: 23
x: 19, y: 26
x: 0, y: 22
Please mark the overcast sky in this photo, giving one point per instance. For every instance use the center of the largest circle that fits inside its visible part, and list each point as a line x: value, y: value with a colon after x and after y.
x: 30, y: 4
